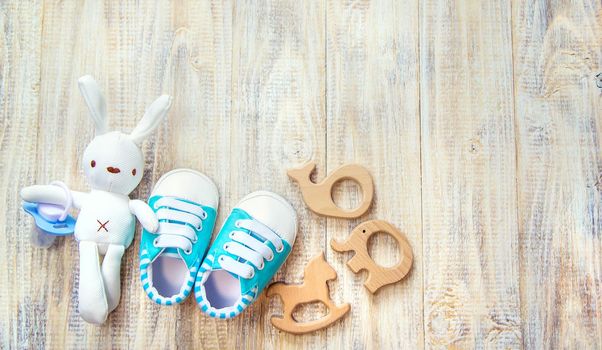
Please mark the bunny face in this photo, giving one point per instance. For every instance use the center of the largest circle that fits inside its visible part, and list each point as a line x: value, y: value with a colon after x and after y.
x: 113, y: 162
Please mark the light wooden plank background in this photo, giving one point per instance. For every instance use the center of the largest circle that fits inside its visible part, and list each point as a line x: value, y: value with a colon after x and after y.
x: 480, y: 121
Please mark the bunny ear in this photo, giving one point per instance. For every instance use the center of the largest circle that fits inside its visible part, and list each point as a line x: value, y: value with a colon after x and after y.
x: 95, y: 101
x: 151, y: 119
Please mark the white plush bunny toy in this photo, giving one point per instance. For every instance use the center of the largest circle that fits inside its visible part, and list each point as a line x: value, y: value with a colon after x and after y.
x: 113, y: 166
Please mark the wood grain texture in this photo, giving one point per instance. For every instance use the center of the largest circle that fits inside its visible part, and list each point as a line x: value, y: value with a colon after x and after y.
x: 469, y: 201
x: 373, y: 120
x: 23, y: 312
x: 558, y: 53
x: 277, y: 123
x: 479, y: 121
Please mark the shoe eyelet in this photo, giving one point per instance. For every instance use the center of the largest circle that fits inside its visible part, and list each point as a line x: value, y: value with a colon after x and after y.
x: 270, y: 258
x: 225, y: 247
x: 251, y: 275
x: 199, y: 227
x: 280, y: 250
x: 237, y: 223
x: 204, y: 216
x: 188, y: 252
x: 232, y: 235
x: 221, y: 258
x: 195, y: 239
x: 262, y: 266
x: 155, y: 242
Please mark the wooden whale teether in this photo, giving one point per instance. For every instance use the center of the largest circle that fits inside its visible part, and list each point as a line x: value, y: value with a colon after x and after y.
x: 318, y: 196
x: 378, y: 276
x: 314, y: 288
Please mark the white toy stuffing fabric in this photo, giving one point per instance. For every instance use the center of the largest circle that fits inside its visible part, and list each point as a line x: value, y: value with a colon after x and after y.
x: 113, y: 165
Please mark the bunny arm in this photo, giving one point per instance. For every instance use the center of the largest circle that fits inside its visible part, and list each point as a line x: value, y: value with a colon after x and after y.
x: 145, y: 215
x: 52, y: 195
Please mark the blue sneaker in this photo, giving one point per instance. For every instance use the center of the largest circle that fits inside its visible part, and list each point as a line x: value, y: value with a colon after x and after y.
x: 185, y: 202
x: 251, y: 246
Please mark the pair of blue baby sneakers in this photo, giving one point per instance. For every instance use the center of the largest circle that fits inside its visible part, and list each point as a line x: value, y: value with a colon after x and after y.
x: 228, y: 275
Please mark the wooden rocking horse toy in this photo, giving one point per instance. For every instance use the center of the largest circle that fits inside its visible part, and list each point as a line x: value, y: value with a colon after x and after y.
x: 314, y: 288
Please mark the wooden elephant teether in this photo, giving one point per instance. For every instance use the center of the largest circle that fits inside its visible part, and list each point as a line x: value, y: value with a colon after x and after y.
x: 378, y: 276
x: 318, y: 197
x: 314, y: 288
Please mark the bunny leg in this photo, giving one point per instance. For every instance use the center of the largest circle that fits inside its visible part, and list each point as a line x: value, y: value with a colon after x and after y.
x: 111, y: 272
x: 93, y: 306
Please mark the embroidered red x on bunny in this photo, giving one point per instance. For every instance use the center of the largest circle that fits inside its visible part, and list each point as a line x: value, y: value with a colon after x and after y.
x: 102, y: 226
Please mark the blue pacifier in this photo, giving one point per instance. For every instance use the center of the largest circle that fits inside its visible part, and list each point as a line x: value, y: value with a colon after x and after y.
x: 51, y: 220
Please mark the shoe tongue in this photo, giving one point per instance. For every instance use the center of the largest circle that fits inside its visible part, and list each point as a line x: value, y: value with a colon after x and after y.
x: 178, y: 254
x: 245, y: 284
x: 234, y: 275
x: 222, y: 290
x: 172, y: 252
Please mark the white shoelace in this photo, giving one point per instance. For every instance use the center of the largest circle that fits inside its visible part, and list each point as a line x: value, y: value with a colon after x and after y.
x: 249, y: 248
x: 176, y: 222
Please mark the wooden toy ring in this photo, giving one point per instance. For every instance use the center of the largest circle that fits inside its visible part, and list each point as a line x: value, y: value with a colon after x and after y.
x: 314, y: 288
x: 378, y: 276
x: 318, y: 196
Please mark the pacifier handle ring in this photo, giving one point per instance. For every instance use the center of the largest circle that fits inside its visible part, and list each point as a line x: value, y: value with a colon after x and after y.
x: 69, y: 198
